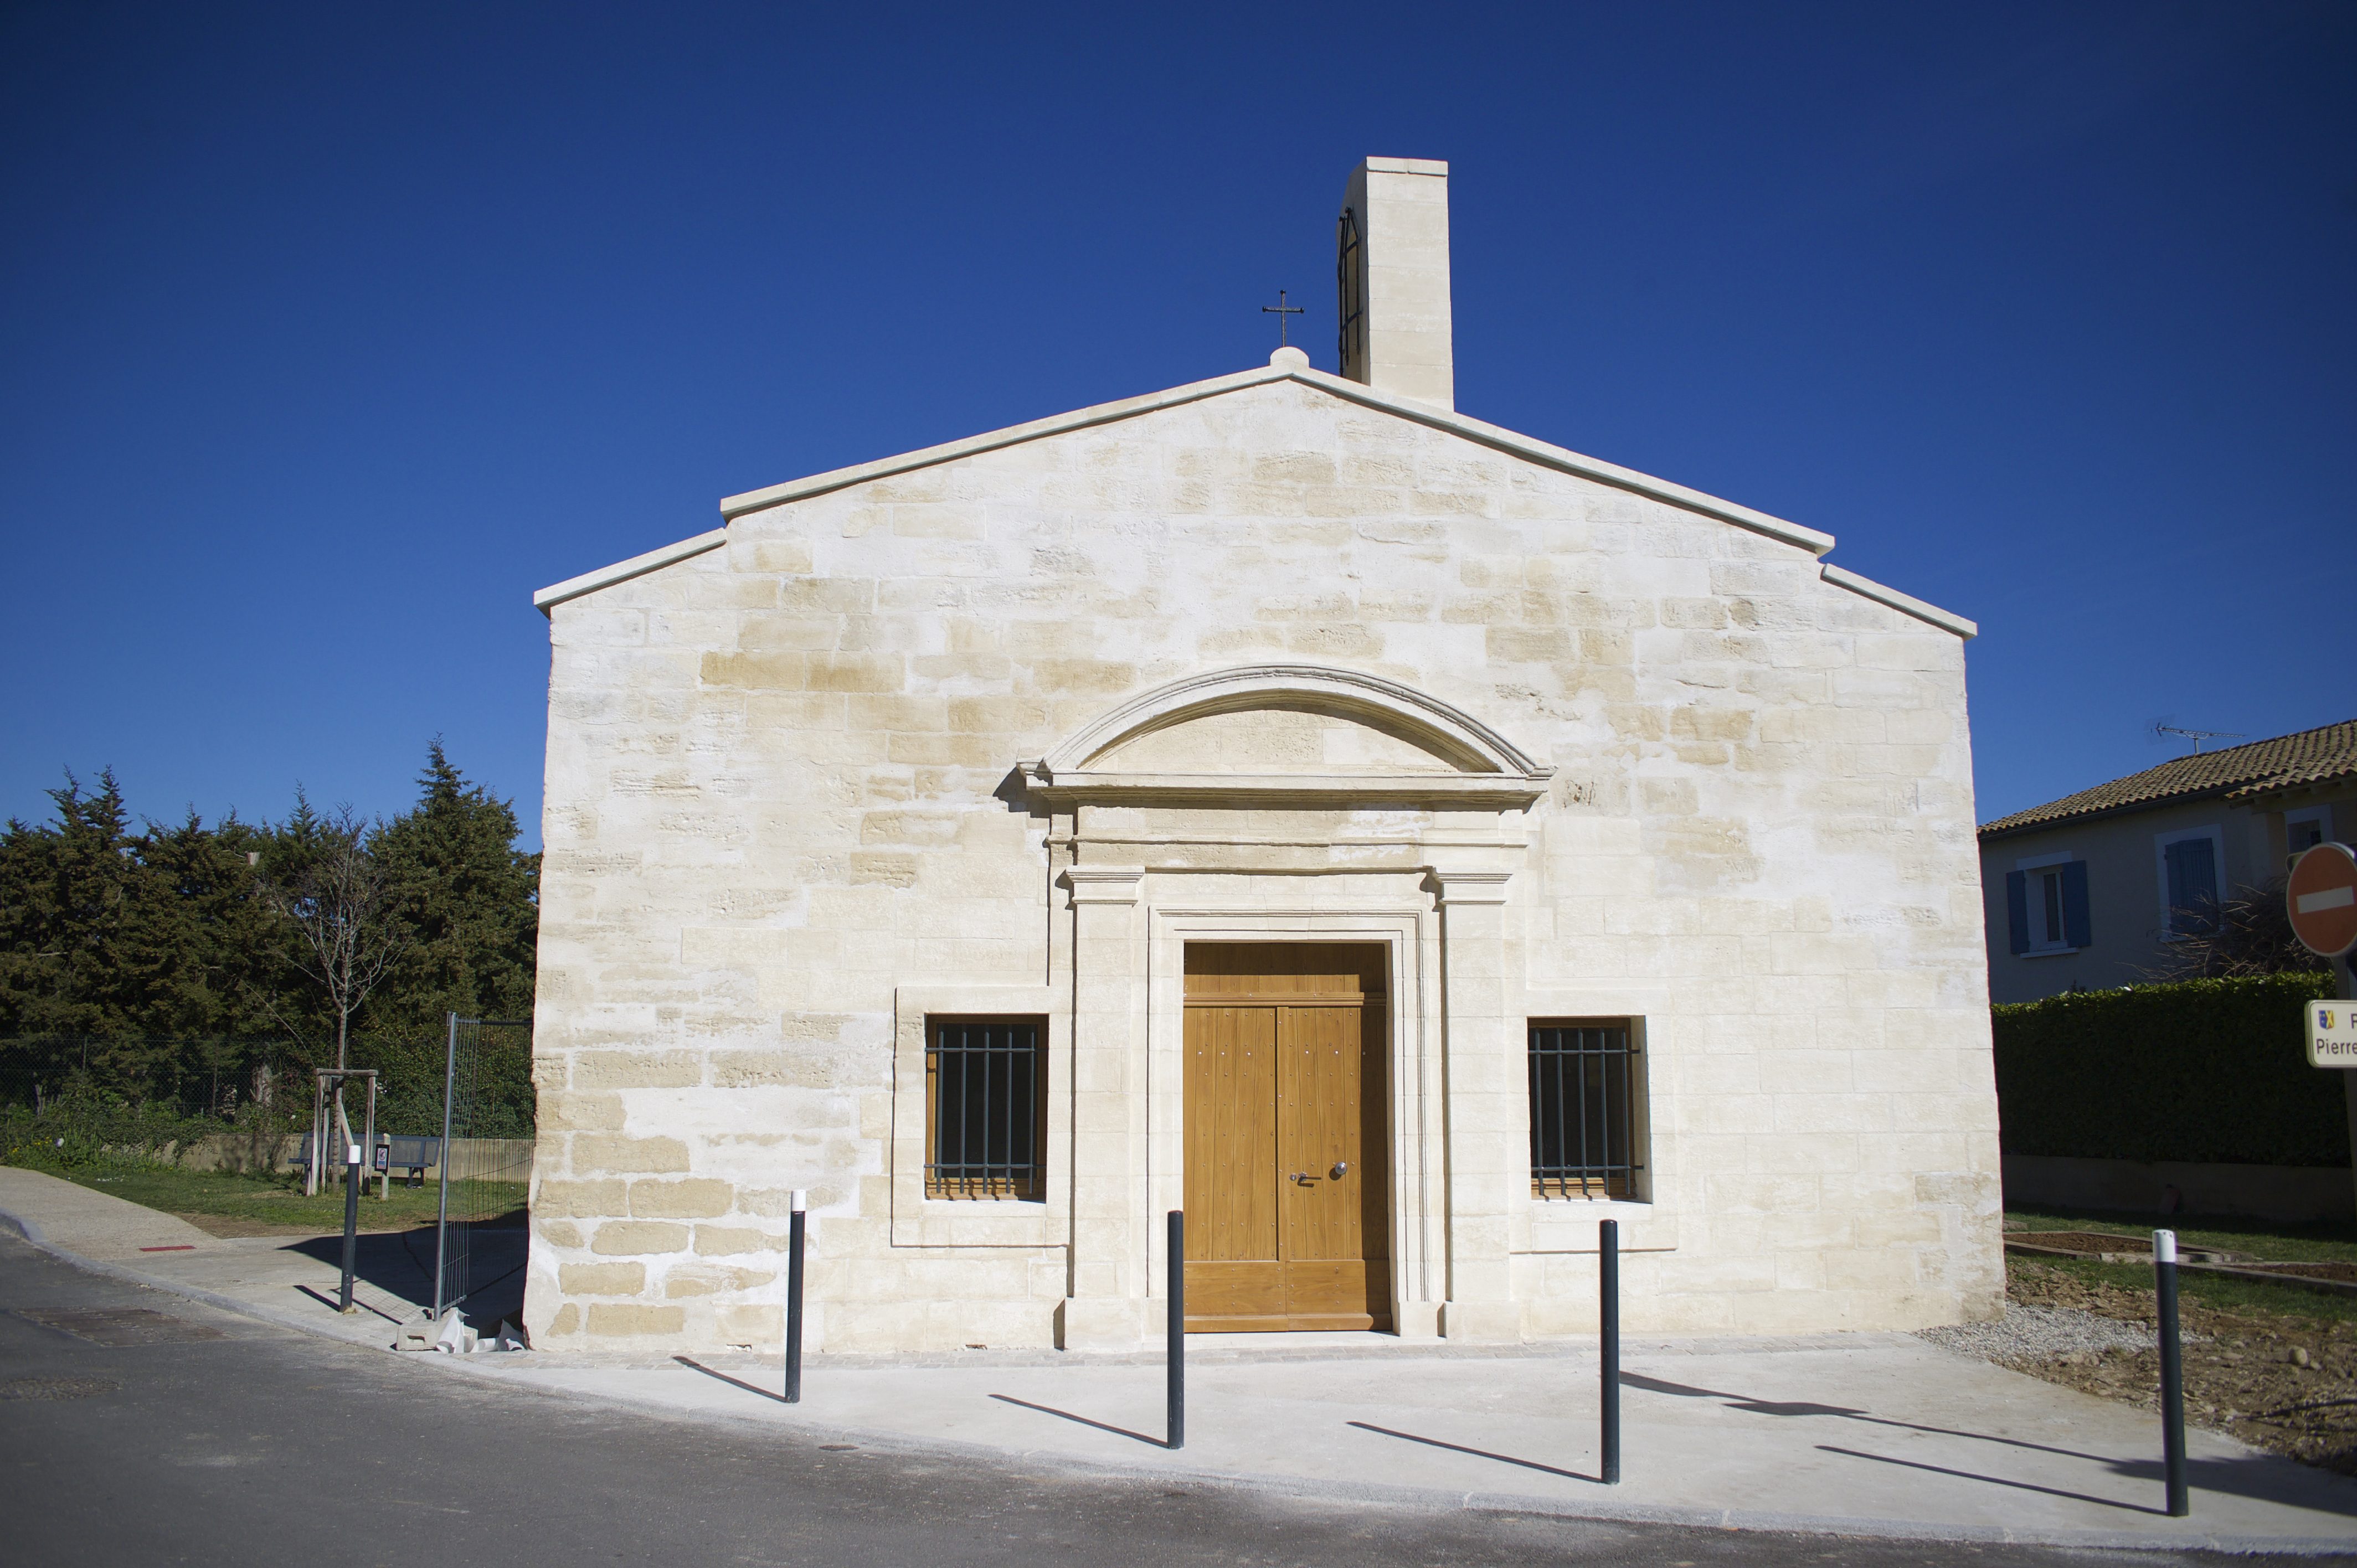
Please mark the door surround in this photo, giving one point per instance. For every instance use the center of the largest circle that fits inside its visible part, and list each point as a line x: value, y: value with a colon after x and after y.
x: 1411, y: 1087
x: 1275, y: 836
x: 1459, y: 1102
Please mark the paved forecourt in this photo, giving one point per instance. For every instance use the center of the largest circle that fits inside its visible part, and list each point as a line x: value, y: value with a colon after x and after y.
x: 1855, y: 1432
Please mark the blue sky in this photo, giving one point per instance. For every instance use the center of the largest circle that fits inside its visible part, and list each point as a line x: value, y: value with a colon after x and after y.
x: 332, y: 332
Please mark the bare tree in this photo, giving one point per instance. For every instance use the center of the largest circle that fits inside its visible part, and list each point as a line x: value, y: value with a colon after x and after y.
x: 339, y: 908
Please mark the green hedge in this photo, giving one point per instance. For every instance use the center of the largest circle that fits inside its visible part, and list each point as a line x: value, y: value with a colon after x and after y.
x: 2197, y: 1069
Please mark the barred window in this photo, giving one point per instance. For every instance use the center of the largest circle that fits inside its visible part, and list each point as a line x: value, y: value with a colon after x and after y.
x: 985, y: 1109
x: 1584, y: 1079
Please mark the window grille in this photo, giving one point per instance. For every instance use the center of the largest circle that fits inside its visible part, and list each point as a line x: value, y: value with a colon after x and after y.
x: 1583, y: 1110
x: 1350, y: 285
x: 987, y: 1091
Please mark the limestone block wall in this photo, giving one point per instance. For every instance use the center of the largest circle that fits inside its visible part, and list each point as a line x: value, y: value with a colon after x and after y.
x: 782, y: 785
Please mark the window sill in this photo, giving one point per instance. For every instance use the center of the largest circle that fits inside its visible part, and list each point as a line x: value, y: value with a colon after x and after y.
x: 973, y: 1222
x: 2049, y: 952
x: 1570, y: 1225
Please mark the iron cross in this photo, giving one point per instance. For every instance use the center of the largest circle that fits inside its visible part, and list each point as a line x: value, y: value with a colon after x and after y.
x: 1280, y: 310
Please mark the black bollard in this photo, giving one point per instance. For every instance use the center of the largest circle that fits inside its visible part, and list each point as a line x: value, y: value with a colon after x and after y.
x: 794, y: 1303
x: 1608, y: 1285
x: 351, y: 1220
x: 1174, y: 1337
x: 2172, y: 1372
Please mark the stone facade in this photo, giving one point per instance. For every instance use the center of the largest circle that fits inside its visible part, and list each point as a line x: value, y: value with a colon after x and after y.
x: 998, y: 727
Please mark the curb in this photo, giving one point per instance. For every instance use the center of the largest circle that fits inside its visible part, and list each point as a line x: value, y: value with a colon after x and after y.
x: 33, y: 1234
x: 1430, y: 1501
x: 1422, y: 1500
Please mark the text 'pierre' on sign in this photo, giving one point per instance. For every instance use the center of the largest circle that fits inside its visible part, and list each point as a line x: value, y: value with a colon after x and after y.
x: 2332, y: 1034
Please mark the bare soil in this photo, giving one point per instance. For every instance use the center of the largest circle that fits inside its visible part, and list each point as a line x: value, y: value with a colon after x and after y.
x: 2082, y: 1240
x: 2284, y: 1383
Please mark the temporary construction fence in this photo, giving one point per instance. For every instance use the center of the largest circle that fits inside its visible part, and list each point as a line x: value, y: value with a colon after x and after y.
x: 482, y: 1176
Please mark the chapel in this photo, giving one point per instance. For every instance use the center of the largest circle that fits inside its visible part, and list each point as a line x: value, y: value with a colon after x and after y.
x: 1395, y: 842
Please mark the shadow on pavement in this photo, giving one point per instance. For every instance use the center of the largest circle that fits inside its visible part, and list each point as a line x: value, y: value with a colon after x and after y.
x: 1994, y: 1480
x: 399, y: 1263
x: 1477, y: 1453
x: 1084, y: 1421
x: 329, y: 1301
x: 694, y: 1366
x: 2251, y: 1477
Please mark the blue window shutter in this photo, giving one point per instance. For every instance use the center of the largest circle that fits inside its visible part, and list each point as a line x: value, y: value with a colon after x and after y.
x: 2077, y: 929
x: 2017, y: 909
x: 2192, y: 885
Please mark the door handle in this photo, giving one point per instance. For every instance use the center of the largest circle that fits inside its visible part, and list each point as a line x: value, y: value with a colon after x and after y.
x: 1303, y: 1178
x: 1341, y: 1169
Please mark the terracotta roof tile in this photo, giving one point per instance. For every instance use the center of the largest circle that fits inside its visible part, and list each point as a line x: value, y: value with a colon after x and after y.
x: 2309, y: 757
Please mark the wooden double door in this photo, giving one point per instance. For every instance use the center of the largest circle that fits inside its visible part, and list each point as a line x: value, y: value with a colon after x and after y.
x: 1287, y: 1186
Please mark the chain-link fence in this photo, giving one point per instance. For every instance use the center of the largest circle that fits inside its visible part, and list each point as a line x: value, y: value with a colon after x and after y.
x: 229, y: 1102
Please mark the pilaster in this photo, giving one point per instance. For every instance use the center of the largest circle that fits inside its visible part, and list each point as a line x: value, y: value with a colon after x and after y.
x: 1487, y: 1119
x: 1105, y: 1304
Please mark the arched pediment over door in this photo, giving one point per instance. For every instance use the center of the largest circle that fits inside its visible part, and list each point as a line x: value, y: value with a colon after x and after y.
x: 1293, y: 731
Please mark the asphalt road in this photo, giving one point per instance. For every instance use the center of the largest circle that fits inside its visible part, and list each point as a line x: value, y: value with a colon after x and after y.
x: 200, y: 1437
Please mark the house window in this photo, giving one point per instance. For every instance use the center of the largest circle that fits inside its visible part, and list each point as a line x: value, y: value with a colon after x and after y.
x: 2188, y: 883
x: 2046, y: 906
x: 985, y: 1109
x: 2303, y: 830
x: 1584, y: 1083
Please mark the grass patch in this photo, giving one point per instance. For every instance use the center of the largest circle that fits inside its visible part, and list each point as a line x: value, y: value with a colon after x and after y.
x: 279, y: 1200
x: 2272, y: 1241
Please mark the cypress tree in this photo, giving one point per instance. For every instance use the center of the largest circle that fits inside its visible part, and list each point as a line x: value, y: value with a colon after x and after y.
x: 471, y: 899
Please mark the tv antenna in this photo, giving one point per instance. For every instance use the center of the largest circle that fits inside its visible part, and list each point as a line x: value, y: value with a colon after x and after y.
x: 2197, y: 737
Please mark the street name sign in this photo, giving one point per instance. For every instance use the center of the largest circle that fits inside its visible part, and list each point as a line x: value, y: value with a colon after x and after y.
x: 2332, y: 1034
x: 2321, y: 898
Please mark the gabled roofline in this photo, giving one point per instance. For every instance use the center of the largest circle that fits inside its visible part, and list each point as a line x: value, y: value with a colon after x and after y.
x: 1905, y: 604
x: 2097, y: 814
x: 623, y: 571
x: 1507, y: 441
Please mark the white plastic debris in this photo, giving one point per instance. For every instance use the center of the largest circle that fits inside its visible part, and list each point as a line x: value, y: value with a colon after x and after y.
x: 455, y: 1338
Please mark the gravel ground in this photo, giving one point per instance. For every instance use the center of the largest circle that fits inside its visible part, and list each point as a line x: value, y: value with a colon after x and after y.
x: 2040, y: 1333
x: 2276, y: 1380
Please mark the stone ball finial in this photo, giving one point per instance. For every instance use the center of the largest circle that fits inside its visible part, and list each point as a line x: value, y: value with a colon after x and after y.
x: 1289, y: 360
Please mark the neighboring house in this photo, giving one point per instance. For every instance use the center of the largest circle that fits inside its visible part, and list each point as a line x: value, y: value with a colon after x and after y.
x: 2090, y: 890
x: 1400, y: 843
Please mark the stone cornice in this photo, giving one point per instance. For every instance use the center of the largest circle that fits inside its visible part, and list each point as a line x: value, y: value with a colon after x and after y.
x: 1905, y: 604
x: 550, y: 597
x: 1472, y: 887
x: 1103, y: 884
x: 1486, y: 792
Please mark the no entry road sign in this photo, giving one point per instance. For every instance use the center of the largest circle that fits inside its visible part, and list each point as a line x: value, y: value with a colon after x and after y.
x: 2322, y: 899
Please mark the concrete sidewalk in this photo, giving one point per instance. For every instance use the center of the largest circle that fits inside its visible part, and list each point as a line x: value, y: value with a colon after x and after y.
x: 1875, y: 1433
x: 92, y: 1225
